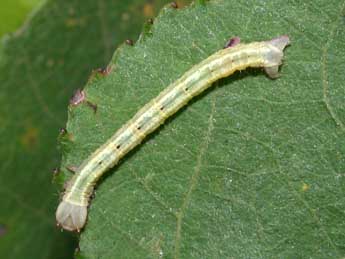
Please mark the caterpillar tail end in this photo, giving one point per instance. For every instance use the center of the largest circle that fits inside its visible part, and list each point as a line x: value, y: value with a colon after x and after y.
x: 71, y: 217
x: 275, y: 55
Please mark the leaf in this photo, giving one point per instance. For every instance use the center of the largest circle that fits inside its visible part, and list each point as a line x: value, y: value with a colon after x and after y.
x: 40, y: 65
x: 13, y: 12
x: 254, y: 168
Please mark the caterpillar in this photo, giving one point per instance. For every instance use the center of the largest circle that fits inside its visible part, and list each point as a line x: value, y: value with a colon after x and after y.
x: 71, y: 213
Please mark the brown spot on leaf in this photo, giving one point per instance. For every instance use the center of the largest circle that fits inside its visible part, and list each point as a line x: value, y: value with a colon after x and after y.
x: 182, y: 3
x: 73, y: 22
x: 174, y: 4
x: 63, y: 131
x: 148, y: 10
x: 177, y: 4
x: 50, y: 62
x: 72, y: 168
x: 305, y: 187
x: 3, y: 230
x: 29, y: 137
x: 78, y: 97
x: 104, y: 71
x: 92, y: 106
x: 125, y: 17
x: 129, y: 42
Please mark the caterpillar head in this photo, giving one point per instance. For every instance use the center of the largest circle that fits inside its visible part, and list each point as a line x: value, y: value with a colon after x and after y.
x: 71, y: 216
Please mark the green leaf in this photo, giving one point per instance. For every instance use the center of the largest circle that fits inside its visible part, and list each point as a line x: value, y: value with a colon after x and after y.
x: 40, y: 66
x: 13, y: 12
x: 254, y: 168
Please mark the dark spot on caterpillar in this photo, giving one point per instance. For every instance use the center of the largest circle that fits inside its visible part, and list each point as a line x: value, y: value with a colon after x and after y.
x: 161, y: 108
x: 138, y: 127
x: 186, y: 89
x: 129, y: 42
x: 174, y: 5
x: 100, y: 162
x: 232, y: 42
x: 118, y: 146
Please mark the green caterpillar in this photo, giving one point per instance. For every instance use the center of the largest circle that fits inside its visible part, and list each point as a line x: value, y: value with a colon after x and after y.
x: 71, y: 213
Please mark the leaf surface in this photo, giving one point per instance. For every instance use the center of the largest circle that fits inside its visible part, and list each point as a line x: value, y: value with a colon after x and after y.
x: 40, y: 65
